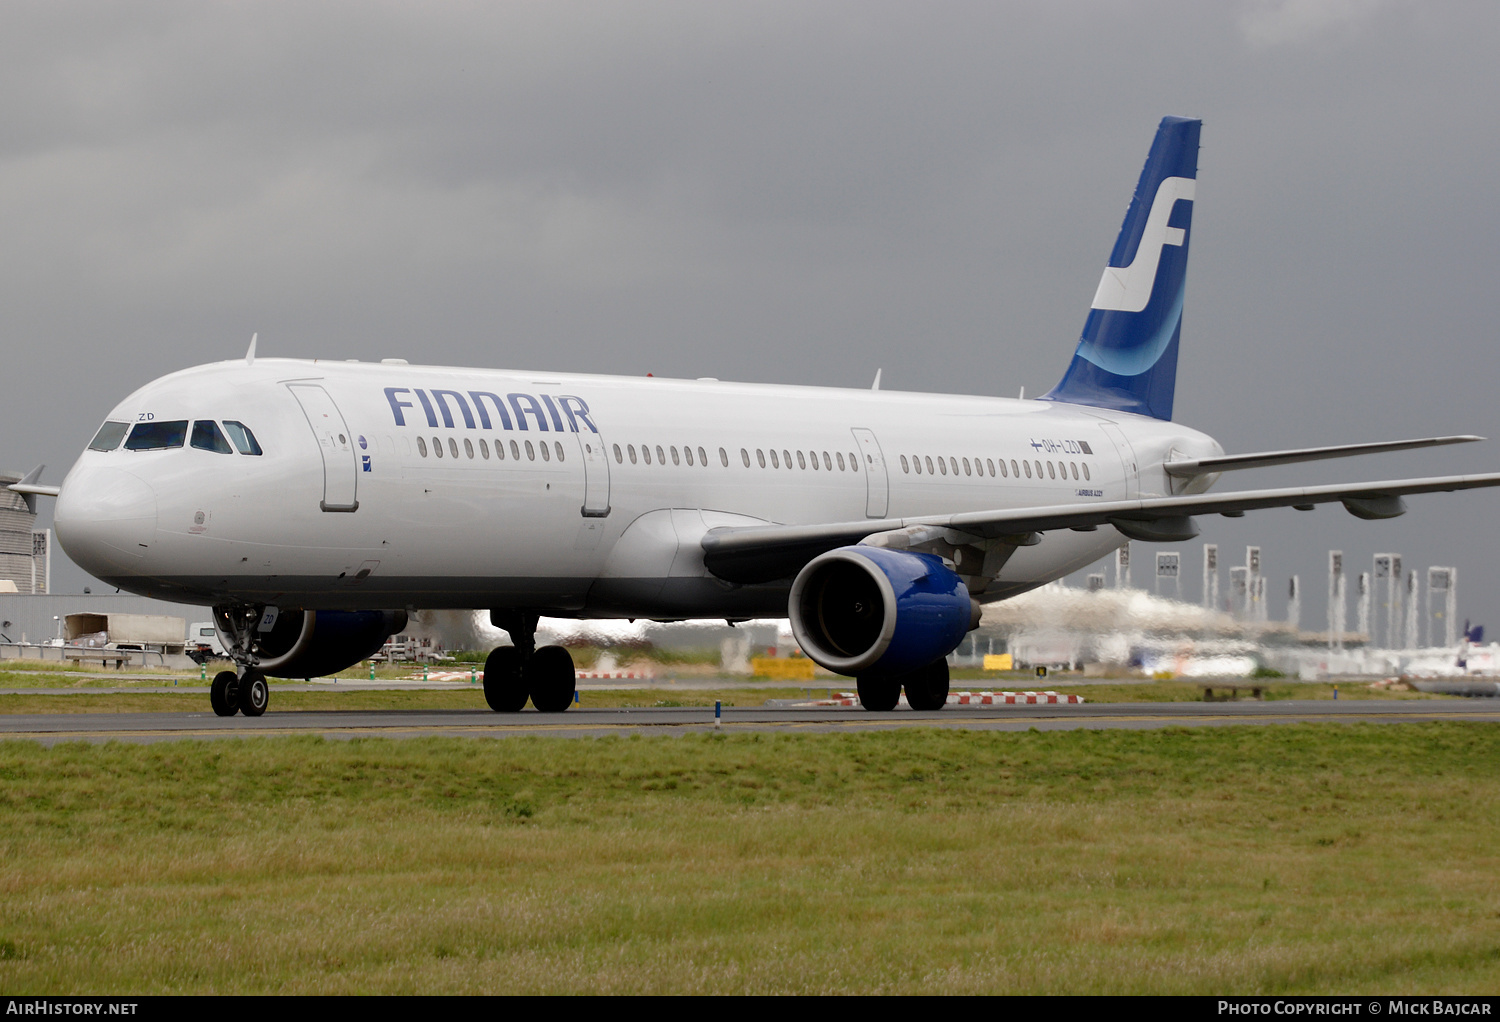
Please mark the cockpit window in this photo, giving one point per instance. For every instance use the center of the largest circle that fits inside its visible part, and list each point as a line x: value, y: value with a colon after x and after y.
x: 244, y: 440
x: 109, y: 436
x: 157, y: 436
x: 206, y: 437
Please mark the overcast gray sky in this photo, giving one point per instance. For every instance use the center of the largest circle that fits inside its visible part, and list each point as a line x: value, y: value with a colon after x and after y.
x: 781, y: 192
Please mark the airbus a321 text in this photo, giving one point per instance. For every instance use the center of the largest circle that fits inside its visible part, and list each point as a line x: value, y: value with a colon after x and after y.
x: 313, y: 504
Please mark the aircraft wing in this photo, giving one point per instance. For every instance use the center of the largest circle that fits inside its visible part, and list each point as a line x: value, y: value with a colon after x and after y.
x: 763, y: 553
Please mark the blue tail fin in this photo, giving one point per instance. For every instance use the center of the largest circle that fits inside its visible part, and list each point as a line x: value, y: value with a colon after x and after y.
x: 1127, y: 356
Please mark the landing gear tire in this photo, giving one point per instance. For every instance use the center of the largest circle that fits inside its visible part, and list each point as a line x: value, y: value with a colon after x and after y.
x: 927, y: 687
x: 880, y: 692
x: 550, y: 677
x: 504, y: 688
x: 255, y: 694
x: 224, y: 694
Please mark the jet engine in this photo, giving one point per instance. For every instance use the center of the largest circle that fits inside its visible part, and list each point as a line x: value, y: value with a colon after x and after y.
x: 311, y: 643
x: 863, y: 610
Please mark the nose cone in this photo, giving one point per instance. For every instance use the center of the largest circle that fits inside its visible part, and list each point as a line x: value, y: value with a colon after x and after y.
x: 106, y: 520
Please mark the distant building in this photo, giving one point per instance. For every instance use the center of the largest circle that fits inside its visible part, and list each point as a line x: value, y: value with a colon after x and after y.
x: 25, y: 551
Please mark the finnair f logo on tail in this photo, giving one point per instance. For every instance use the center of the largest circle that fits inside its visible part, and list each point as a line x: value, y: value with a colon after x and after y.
x: 1128, y: 288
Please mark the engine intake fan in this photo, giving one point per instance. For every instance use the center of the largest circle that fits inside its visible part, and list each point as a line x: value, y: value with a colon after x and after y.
x: 870, y: 610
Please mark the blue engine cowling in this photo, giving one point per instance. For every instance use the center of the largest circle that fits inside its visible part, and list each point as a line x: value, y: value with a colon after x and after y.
x: 312, y: 643
x: 871, y: 610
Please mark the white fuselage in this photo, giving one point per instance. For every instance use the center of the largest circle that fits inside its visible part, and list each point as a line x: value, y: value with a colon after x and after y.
x: 349, y: 505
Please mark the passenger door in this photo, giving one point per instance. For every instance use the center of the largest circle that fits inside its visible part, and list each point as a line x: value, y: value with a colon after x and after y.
x: 340, y: 466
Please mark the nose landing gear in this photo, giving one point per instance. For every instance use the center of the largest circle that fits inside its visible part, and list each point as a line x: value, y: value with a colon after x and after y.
x: 512, y: 673
x: 245, y: 693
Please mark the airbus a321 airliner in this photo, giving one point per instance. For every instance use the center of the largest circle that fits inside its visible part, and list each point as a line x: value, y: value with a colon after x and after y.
x: 313, y: 504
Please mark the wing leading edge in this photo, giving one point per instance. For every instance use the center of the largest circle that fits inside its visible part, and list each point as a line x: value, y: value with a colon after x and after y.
x: 764, y: 553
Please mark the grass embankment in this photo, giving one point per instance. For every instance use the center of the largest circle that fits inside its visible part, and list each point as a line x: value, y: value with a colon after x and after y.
x: 1306, y: 858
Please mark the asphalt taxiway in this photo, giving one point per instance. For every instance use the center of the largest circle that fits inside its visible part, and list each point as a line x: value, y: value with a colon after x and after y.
x: 587, y: 723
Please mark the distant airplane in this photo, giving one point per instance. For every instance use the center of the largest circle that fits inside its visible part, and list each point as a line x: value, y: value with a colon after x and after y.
x: 313, y: 504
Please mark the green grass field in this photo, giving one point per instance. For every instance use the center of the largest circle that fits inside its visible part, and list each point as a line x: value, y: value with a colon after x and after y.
x: 1303, y: 858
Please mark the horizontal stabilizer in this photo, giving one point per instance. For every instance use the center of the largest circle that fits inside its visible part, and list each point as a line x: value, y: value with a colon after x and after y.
x: 763, y: 553
x: 1265, y: 459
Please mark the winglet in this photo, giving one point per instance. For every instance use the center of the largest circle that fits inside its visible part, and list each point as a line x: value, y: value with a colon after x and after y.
x: 250, y: 354
x: 876, y: 384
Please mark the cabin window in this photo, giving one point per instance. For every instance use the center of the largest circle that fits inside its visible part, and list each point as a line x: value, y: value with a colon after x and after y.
x: 760, y: 456
x: 745, y: 456
x: 558, y: 447
x: 515, y: 451
x: 1028, y: 468
x: 1039, y: 470
x: 422, y: 447
x: 469, y: 448
x: 206, y: 437
x: 853, y: 462
x: 1085, y: 470
x: 930, y: 470
x: 724, y: 458
x: 244, y: 441
x: 630, y: 450
x: 661, y: 456
x: 905, y: 468
x: 645, y: 454
x: 703, y: 457
x: 786, y: 457
x: 1074, y: 466
x: 437, y: 447
x: 839, y: 456
x: 675, y: 459
x: 157, y: 436
x: 801, y: 461
x: 109, y: 436
x: 546, y: 454
x: 943, y: 467
x: 499, y: 450
x: 954, y: 462
x: 966, y: 468
x: 775, y: 459
x: 619, y: 455
x: 687, y: 452
x: 828, y: 462
x: 530, y: 452
x: 991, y: 465
x: 453, y: 447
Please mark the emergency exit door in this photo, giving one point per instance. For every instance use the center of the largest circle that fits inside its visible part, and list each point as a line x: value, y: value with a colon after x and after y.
x: 877, y: 485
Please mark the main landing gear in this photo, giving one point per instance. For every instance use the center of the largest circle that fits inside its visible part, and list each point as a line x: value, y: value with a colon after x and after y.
x: 514, y: 673
x: 926, y: 688
x: 245, y: 693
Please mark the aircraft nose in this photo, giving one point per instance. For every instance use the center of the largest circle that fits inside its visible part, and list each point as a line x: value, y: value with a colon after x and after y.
x: 106, y: 519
